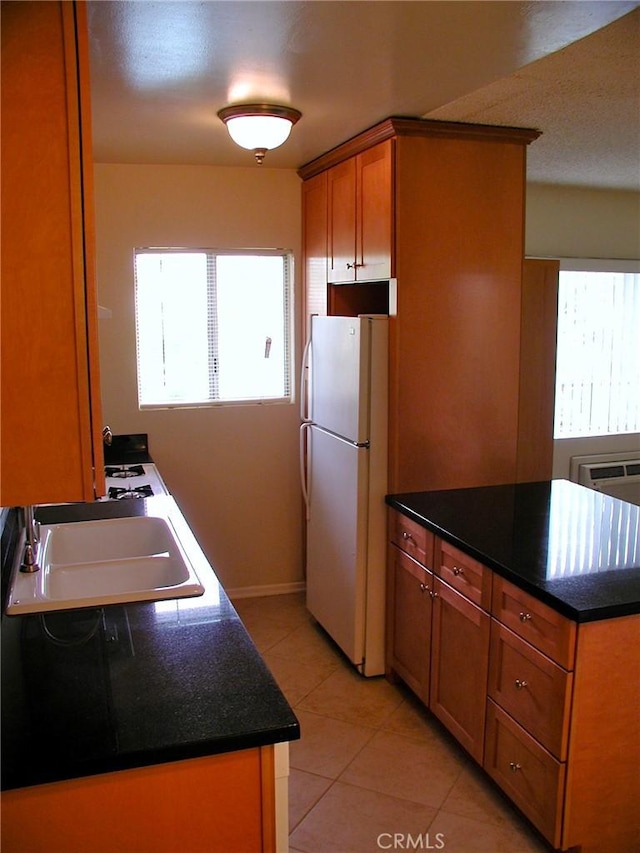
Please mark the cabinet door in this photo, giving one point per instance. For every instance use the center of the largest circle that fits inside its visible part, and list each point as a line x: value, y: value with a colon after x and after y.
x: 459, y: 666
x: 50, y: 399
x: 410, y: 621
x: 342, y: 222
x: 375, y: 214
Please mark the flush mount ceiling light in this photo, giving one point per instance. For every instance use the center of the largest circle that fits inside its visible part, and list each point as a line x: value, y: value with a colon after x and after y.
x: 259, y: 127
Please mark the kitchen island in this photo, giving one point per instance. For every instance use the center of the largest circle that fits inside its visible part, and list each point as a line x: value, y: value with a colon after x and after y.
x: 147, y: 726
x: 514, y: 615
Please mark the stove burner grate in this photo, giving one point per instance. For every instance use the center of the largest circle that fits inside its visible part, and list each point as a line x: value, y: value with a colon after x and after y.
x: 124, y: 471
x: 136, y: 493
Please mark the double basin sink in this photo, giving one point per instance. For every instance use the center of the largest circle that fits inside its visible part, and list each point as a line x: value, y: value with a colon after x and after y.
x: 97, y: 563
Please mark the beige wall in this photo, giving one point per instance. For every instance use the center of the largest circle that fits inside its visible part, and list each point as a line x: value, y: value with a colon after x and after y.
x: 233, y: 470
x: 571, y: 222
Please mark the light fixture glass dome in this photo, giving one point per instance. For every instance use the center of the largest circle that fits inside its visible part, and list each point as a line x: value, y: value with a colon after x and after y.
x: 259, y: 131
x: 259, y: 127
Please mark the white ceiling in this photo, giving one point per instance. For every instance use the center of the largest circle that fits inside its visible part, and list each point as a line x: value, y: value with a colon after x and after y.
x: 161, y: 70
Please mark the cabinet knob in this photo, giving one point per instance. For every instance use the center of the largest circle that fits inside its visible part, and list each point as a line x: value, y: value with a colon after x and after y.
x: 434, y: 595
x: 407, y: 536
x: 457, y: 571
x: 514, y: 766
x: 525, y: 617
x: 520, y: 683
x: 424, y: 587
x: 354, y: 266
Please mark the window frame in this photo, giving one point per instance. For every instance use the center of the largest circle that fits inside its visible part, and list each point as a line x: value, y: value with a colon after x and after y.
x: 288, y: 293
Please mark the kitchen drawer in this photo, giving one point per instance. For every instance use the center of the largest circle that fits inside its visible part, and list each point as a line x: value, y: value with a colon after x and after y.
x: 535, y: 622
x: 411, y: 537
x: 533, y: 689
x: 463, y: 573
x: 525, y: 771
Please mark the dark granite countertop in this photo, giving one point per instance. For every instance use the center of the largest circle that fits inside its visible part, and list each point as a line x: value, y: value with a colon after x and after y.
x: 104, y: 689
x: 572, y: 547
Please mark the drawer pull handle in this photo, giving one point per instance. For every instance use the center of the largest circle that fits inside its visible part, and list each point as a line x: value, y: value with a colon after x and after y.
x: 514, y: 766
x: 520, y: 683
x: 457, y: 571
x: 407, y: 536
x: 525, y: 617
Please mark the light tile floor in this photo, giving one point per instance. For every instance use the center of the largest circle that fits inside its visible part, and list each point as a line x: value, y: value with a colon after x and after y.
x: 373, y: 770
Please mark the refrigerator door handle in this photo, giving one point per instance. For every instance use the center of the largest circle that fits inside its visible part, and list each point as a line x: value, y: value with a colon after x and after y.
x: 304, y: 467
x: 304, y: 397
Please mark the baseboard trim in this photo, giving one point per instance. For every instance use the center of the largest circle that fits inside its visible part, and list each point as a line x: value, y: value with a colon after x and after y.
x: 269, y: 589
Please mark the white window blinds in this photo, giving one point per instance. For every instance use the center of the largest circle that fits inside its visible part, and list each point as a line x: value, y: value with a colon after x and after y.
x: 598, y: 354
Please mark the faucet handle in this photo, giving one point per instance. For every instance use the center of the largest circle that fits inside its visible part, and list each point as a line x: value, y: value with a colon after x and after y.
x: 29, y: 560
x: 107, y: 435
x: 32, y: 537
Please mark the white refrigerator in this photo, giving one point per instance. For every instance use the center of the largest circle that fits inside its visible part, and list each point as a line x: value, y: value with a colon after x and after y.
x: 344, y: 480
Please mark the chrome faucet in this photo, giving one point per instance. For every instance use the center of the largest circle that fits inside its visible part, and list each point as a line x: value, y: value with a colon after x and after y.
x: 32, y: 540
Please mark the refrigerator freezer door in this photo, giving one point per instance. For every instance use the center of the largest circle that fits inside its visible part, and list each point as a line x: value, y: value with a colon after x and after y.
x: 340, y: 375
x: 337, y: 539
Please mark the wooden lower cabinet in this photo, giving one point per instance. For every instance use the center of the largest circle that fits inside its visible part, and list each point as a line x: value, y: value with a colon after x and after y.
x: 548, y: 706
x: 459, y: 664
x: 218, y: 803
x: 438, y: 639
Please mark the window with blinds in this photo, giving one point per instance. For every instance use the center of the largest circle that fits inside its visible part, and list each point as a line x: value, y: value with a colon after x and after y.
x: 213, y: 326
x: 598, y: 353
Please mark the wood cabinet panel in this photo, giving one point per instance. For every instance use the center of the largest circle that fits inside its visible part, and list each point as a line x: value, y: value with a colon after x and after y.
x: 201, y: 805
x: 459, y: 664
x: 603, y: 777
x: 525, y: 771
x: 409, y: 634
x: 459, y: 250
x: 538, y: 327
x: 535, y: 622
x: 532, y: 688
x: 50, y: 394
x: 463, y: 573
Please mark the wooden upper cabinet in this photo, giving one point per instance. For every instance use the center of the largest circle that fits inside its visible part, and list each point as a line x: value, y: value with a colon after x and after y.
x: 360, y: 217
x: 430, y: 216
x: 51, y: 422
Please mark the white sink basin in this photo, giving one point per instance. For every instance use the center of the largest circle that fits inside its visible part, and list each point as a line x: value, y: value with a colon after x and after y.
x: 95, y: 563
